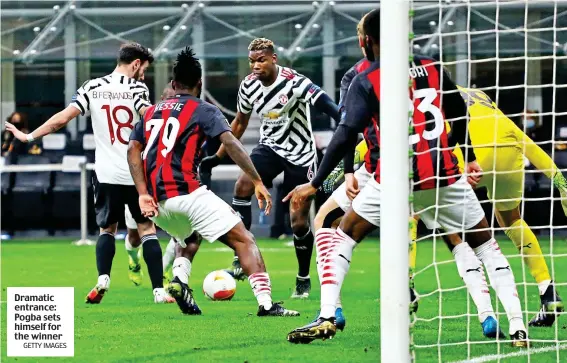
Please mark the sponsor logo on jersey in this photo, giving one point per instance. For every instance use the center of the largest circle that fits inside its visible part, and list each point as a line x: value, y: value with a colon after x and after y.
x: 313, y: 88
x: 272, y: 115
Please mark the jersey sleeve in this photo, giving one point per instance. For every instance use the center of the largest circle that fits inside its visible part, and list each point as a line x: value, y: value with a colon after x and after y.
x: 358, y: 103
x: 345, y: 83
x: 243, y: 103
x: 305, y: 90
x: 81, y: 99
x: 212, y: 120
x: 137, y: 133
x: 141, y: 96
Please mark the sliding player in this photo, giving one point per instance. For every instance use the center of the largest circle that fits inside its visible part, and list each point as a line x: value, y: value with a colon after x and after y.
x: 282, y: 98
x: 163, y: 155
x: 432, y: 184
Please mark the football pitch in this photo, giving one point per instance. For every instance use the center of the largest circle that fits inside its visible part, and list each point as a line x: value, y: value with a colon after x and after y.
x: 128, y: 327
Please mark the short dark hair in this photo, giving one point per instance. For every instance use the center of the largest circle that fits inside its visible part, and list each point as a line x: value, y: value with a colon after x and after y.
x: 261, y: 44
x: 129, y: 52
x: 187, y: 69
x: 371, y: 25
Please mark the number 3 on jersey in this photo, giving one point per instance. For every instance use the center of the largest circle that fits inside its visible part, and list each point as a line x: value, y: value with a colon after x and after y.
x: 426, y: 105
x: 168, y: 136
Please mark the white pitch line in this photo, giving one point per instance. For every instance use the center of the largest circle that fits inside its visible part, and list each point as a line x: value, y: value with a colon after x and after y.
x: 521, y: 353
x: 267, y: 249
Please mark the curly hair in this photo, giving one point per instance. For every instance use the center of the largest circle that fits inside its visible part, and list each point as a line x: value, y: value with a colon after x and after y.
x: 261, y: 44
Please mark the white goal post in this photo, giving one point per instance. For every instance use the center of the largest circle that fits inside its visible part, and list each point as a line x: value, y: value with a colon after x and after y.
x: 394, y: 174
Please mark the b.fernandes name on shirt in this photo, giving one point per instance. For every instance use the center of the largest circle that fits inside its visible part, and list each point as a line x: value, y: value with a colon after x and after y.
x: 107, y: 95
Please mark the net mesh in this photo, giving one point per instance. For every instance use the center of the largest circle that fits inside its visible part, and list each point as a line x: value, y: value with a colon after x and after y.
x: 514, y: 52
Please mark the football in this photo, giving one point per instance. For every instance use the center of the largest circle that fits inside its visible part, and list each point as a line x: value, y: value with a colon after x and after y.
x: 219, y: 285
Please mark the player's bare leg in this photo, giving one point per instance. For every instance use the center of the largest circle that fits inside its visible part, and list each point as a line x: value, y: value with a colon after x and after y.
x: 244, y: 245
x: 132, y: 244
x: 242, y: 204
x: 528, y: 245
x: 105, y: 250
x: 303, y: 242
x: 501, y: 278
x: 153, y: 257
x: 179, y: 286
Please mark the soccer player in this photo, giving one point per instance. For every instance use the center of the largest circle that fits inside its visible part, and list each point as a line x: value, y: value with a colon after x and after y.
x: 431, y: 184
x: 500, y: 147
x: 282, y: 99
x: 114, y: 103
x: 163, y: 155
x: 132, y: 240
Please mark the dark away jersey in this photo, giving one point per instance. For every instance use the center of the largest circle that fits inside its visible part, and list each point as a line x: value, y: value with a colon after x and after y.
x: 433, y: 158
x: 284, y: 109
x: 173, y: 132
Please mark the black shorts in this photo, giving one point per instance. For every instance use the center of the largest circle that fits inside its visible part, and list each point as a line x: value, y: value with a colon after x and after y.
x: 110, y: 200
x: 270, y: 165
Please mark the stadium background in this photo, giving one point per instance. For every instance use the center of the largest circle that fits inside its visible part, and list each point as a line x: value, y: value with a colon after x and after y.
x: 49, y: 48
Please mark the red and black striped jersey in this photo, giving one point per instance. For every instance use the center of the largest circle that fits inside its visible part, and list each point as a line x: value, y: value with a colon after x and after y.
x: 435, y: 98
x: 173, y: 132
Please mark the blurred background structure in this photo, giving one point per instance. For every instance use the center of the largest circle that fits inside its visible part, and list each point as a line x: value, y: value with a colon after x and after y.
x: 514, y: 50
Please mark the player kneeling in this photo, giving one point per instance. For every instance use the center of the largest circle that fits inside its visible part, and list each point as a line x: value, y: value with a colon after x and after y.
x: 165, y: 150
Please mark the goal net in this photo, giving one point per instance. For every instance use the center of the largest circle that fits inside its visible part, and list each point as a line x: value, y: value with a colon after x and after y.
x: 509, y: 56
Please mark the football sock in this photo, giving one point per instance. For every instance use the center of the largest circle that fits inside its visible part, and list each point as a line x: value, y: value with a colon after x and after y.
x: 502, y: 281
x: 526, y: 242
x: 303, y: 251
x: 132, y: 251
x: 334, y: 270
x: 153, y: 258
x: 472, y: 272
x: 413, y: 246
x: 169, y: 254
x: 323, y: 243
x: 105, y: 250
x: 182, y: 269
x: 260, y: 283
x: 243, y: 206
x: 104, y: 281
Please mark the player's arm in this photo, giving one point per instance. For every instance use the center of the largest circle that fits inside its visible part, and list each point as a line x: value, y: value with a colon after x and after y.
x: 308, y: 91
x: 238, y: 126
x: 217, y: 126
x: 56, y: 122
x: 141, y: 95
x: 345, y: 84
x: 136, y: 145
x: 456, y: 113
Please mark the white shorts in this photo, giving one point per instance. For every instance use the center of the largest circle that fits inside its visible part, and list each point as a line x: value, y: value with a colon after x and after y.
x: 130, y: 221
x: 340, y: 196
x: 201, y: 211
x: 456, y: 208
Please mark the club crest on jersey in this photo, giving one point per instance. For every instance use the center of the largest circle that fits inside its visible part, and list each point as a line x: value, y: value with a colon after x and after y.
x: 283, y: 99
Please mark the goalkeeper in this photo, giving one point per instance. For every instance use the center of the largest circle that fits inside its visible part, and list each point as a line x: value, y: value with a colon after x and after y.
x: 500, y: 154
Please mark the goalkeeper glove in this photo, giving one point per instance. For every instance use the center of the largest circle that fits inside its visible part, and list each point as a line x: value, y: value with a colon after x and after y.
x: 560, y: 183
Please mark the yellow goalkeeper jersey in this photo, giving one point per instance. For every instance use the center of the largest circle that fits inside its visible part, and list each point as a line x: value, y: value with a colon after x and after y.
x: 488, y: 125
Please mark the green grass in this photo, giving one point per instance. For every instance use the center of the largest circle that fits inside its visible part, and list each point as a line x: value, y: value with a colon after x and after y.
x: 128, y: 327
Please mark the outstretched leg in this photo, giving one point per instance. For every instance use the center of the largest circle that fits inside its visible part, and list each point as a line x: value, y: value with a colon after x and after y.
x: 243, y: 244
